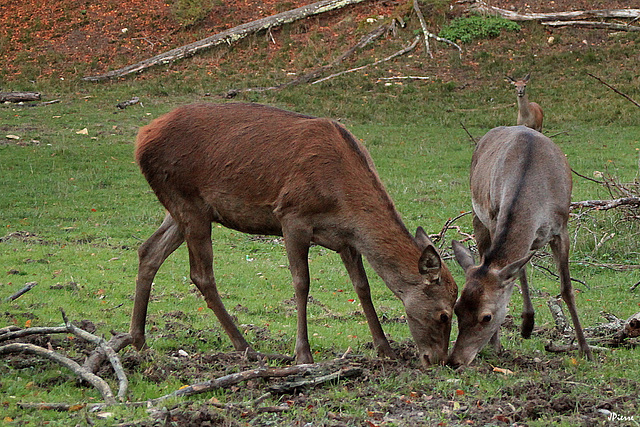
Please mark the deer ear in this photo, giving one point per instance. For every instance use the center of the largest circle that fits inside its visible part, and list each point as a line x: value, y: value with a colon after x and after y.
x: 526, y: 78
x: 510, y: 272
x: 422, y: 238
x: 463, y: 255
x: 430, y: 263
x: 510, y: 79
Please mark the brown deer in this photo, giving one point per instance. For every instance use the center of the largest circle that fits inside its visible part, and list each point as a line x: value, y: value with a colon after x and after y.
x: 262, y: 170
x: 529, y: 113
x: 521, y: 191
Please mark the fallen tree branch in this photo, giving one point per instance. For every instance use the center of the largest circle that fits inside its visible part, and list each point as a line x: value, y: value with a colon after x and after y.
x: 123, y: 382
x: 344, y: 372
x: 551, y: 347
x: 124, y: 104
x: 615, y: 90
x: 19, y: 96
x: 603, y: 205
x: 94, y: 380
x: 428, y: 34
x: 228, y: 36
x: 562, y: 325
x: 20, y: 333
x: 423, y: 24
x: 482, y: 7
x: 117, y: 343
x: 592, y: 24
x: 403, y: 51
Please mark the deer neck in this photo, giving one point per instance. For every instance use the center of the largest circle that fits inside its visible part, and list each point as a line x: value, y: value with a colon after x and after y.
x: 509, y: 245
x: 523, y: 105
x: 394, y: 255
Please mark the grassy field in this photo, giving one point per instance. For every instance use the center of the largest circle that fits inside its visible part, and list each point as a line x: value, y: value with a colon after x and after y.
x: 74, y: 209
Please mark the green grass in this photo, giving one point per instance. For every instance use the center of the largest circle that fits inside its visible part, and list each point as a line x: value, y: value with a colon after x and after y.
x: 87, y: 208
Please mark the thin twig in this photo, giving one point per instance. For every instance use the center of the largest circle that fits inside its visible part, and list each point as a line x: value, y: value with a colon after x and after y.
x: 587, y: 178
x: 26, y: 288
x: 469, y: 134
x: 557, y: 277
x: 615, y: 90
x: 407, y: 49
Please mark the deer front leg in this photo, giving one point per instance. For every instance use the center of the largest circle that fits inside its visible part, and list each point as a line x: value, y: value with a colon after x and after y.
x: 528, y: 314
x: 353, y: 262
x: 297, y: 245
x: 198, y: 237
x: 560, y: 249
x: 152, y: 253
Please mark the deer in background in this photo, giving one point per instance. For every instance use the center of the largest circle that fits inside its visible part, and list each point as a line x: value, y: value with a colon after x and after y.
x: 262, y: 170
x: 521, y: 192
x: 529, y: 113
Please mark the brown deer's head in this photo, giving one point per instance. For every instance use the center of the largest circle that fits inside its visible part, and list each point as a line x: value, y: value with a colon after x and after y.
x: 429, y: 305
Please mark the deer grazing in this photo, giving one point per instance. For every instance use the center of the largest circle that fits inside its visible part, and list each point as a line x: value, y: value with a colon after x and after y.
x: 529, y: 113
x: 521, y: 191
x: 262, y: 170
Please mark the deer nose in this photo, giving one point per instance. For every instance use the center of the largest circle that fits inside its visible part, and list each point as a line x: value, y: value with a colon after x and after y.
x: 430, y: 359
x: 453, y: 363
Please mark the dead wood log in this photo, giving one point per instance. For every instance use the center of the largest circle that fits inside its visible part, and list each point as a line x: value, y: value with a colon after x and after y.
x: 94, y: 380
x: 124, y: 104
x: 19, y: 96
x: 227, y: 36
x: 592, y: 24
x: 482, y: 7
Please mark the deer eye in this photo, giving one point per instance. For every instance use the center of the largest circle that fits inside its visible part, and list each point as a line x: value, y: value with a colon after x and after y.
x: 444, y: 318
x: 486, y: 318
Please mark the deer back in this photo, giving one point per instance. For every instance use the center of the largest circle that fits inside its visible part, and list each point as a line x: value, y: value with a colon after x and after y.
x: 244, y: 165
x: 521, y: 190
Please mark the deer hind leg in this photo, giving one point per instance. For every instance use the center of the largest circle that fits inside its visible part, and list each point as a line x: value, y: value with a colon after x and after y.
x: 560, y: 249
x: 528, y: 314
x: 353, y: 262
x: 297, y: 243
x: 152, y: 253
x: 197, y: 233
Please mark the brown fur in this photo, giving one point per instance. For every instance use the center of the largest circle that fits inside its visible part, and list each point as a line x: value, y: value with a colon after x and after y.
x: 521, y: 191
x: 262, y: 170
